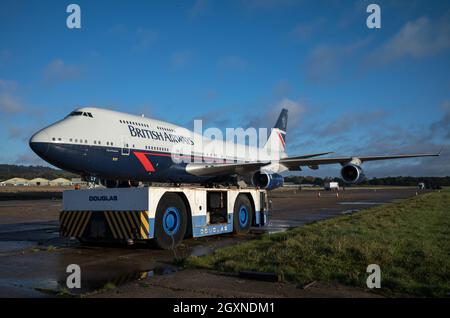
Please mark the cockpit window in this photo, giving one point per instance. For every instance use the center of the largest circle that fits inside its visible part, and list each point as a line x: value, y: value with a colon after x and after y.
x: 78, y: 113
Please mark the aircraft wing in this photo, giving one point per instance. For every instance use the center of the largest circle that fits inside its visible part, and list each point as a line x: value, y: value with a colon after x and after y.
x: 218, y: 169
x: 295, y: 164
x: 292, y: 163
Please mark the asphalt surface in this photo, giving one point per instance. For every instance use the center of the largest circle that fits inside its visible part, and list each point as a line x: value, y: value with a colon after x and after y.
x: 33, y: 259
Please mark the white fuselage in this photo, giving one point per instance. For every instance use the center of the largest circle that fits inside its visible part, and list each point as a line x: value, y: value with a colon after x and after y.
x: 122, y: 134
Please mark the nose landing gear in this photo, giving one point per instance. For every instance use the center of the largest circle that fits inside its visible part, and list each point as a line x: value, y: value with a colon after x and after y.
x: 119, y: 184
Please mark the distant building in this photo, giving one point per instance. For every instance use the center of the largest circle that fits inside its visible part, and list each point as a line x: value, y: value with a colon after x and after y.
x: 331, y: 185
x: 78, y: 181
x: 307, y: 185
x: 60, y: 182
x: 39, y: 182
x: 15, y: 182
x: 291, y: 185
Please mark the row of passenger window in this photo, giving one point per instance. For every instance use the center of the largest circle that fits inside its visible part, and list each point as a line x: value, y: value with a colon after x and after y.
x: 156, y: 148
x: 84, y: 141
x: 165, y: 129
x: 134, y: 123
x: 144, y: 125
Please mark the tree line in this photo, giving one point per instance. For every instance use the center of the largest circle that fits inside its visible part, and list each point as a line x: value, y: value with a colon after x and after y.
x: 31, y: 172
x: 390, y: 181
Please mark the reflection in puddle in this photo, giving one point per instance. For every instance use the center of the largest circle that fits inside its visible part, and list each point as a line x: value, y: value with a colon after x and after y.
x: 91, y: 284
x: 12, y: 246
x: 360, y: 203
x: 350, y: 211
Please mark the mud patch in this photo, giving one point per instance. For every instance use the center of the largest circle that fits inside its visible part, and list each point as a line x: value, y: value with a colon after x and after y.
x: 361, y: 203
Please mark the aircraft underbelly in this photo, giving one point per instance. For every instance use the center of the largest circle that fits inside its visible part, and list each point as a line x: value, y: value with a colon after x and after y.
x: 109, y: 162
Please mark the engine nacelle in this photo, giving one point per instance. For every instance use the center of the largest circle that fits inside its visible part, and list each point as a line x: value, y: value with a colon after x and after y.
x: 267, y: 181
x: 352, y: 173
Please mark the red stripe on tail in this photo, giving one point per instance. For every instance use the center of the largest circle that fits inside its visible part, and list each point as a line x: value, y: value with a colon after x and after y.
x: 282, y: 140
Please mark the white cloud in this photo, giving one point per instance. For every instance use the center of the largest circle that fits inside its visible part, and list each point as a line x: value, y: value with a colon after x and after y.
x: 7, y: 85
x: 282, y: 88
x: 9, y: 102
x: 199, y: 8
x: 303, y: 31
x: 181, y: 59
x: 30, y: 158
x: 446, y: 105
x: 324, y: 61
x: 269, y: 4
x: 57, y: 70
x: 5, y: 57
x: 351, y: 120
x: 209, y: 95
x: 296, y: 110
x: 441, y: 128
x: 371, y: 134
x: 416, y: 39
x: 145, y: 38
x: 233, y: 63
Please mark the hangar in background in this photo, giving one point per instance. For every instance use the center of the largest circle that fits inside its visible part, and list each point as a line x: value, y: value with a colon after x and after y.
x: 61, y: 182
x: 15, y: 182
x: 39, y: 182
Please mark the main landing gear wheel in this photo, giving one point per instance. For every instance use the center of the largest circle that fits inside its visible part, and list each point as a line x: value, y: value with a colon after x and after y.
x: 242, y: 215
x: 170, y: 222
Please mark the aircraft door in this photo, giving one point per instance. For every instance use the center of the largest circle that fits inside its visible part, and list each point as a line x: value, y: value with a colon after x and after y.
x: 125, y: 146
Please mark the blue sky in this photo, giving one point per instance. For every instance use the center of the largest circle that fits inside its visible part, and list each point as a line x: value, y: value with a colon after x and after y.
x: 349, y: 89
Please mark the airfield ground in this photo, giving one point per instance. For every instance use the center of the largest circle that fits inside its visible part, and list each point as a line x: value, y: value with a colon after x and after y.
x: 33, y: 259
x: 408, y: 240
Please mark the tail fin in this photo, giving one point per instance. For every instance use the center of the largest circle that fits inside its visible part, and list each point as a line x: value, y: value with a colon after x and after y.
x: 281, y: 123
x: 276, y: 143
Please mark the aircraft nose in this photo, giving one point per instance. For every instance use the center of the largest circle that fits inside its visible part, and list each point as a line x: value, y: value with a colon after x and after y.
x: 39, y: 142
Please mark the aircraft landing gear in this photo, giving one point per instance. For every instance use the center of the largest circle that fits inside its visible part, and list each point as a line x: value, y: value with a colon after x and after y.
x: 119, y: 184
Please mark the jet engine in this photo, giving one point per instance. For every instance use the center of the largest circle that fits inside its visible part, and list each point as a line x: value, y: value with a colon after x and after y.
x: 267, y: 181
x: 352, y: 173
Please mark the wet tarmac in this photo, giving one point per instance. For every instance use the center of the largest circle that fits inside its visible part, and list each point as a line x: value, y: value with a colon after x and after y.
x: 33, y: 259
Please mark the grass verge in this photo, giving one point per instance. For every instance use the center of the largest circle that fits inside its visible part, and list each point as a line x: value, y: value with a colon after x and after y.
x: 409, y: 240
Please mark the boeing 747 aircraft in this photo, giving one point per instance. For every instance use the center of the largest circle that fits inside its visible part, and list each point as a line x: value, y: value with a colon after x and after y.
x: 122, y: 150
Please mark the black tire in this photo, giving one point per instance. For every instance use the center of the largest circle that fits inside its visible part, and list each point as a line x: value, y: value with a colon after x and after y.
x: 170, y: 221
x: 241, y: 223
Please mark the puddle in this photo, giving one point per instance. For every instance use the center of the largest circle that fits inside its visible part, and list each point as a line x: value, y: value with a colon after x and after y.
x: 12, y: 246
x: 201, y: 250
x: 346, y: 212
x: 27, y: 227
x: 26, y: 287
x: 163, y: 270
x: 276, y: 226
x: 360, y: 203
x: 92, y: 282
